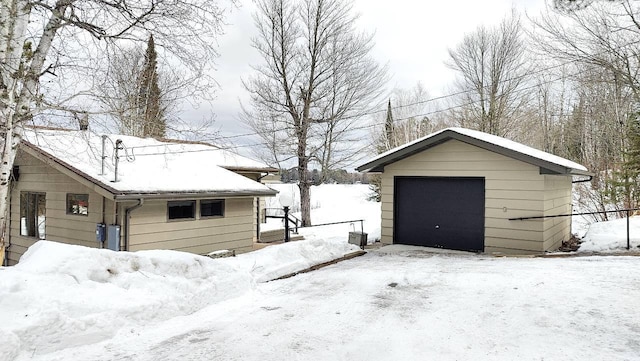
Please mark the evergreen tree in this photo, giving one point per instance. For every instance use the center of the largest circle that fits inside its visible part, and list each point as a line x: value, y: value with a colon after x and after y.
x: 149, y: 102
x: 388, y: 142
x: 632, y: 162
x: 623, y: 187
x: 388, y: 130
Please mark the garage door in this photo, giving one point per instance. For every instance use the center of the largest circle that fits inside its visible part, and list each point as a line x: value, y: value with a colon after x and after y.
x: 443, y: 212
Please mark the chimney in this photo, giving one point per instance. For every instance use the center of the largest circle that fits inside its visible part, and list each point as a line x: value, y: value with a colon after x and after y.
x: 83, y: 120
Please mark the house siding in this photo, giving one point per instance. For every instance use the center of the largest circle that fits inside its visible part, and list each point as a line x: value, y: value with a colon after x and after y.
x: 37, y: 176
x: 150, y: 228
x: 557, y: 201
x: 512, y: 189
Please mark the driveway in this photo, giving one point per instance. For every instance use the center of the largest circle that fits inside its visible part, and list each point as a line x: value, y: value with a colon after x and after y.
x: 410, y: 305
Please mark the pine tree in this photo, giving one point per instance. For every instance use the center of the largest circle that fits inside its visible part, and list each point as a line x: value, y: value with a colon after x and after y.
x: 624, y: 187
x: 632, y: 162
x: 388, y: 129
x: 387, y: 142
x: 149, y: 102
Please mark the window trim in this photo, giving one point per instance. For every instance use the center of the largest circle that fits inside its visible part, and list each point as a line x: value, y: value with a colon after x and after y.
x: 169, y: 219
x: 213, y: 200
x: 71, y: 213
x: 37, y: 195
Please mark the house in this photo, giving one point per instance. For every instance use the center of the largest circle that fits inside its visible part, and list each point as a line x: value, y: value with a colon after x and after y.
x: 459, y: 188
x: 76, y: 186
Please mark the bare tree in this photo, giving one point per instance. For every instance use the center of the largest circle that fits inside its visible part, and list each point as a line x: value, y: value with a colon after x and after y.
x: 573, y: 5
x: 42, y: 42
x: 492, y: 66
x: 410, y: 115
x: 317, y: 78
x: 604, y: 35
x: 602, y: 42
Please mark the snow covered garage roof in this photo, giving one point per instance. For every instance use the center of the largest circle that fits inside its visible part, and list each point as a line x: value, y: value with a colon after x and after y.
x: 547, y: 162
x: 147, y: 167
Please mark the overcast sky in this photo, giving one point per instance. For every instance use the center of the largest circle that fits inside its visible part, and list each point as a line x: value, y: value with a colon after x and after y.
x: 411, y: 36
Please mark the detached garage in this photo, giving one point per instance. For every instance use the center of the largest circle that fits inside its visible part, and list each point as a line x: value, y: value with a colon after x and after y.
x: 458, y: 188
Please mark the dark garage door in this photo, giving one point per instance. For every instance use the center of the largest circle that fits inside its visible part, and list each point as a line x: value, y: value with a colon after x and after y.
x: 443, y: 212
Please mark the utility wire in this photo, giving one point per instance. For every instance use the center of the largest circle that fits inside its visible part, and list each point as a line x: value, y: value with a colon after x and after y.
x: 372, y: 125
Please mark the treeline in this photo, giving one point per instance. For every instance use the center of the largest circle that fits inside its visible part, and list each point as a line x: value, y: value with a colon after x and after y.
x: 318, y: 177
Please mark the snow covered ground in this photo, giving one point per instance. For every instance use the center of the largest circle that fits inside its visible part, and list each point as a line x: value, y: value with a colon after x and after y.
x: 399, y: 303
x: 611, y: 236
x: 62, y: 296
x: 73, y: 303
x: 333, y: 203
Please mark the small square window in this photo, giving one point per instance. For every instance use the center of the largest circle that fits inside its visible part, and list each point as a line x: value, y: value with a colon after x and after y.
x: 78, y: 204
x: 181, y: 209
x: 212, y: 208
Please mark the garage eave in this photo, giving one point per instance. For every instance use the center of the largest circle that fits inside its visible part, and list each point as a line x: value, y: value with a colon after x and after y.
x: 546, y: 167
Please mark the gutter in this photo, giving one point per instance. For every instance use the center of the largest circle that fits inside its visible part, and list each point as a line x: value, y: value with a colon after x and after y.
x: 127, y: 217
x: 588, y: 179
x: 188, y: 195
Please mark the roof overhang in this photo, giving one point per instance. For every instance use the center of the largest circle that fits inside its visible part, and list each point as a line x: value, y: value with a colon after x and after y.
x: 112, y: 193
x: 192, y: 195
x: 377, y: 164
x: 250, y: 169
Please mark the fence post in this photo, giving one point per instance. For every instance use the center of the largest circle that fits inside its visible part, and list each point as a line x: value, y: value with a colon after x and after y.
x: 286, y: 224
x: 628, y: 241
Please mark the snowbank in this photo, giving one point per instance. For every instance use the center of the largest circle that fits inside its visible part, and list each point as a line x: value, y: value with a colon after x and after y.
x: 62, y: 296
x: 275, y: 261
x: 611, y: 236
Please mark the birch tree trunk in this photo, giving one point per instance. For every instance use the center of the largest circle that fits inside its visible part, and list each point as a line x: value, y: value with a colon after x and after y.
x: 14, y: 19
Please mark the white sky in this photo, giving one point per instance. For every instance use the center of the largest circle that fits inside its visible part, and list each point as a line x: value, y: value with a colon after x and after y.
x: 411, y: 36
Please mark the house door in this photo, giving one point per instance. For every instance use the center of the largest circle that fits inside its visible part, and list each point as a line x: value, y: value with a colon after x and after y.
x: 442, y: 212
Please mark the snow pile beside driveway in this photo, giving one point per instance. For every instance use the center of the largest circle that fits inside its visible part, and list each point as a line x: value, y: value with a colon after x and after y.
x: 276, y: 261
x: 61, y: 296
x: 611, y: 236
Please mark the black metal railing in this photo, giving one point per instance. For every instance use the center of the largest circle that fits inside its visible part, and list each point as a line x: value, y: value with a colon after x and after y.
x: 341, y: 222
x: 297, y: 222
x: 293, y: 219
x: 627, y: 211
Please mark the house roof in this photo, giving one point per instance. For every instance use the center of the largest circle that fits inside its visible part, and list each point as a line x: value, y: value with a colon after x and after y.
x: 548, y: 163
x: 147, y: 167
x: 225, y: 158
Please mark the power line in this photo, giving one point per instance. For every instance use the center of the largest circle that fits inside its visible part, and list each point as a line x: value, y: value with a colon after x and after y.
x: 371, y: 125
x: 364, y: 127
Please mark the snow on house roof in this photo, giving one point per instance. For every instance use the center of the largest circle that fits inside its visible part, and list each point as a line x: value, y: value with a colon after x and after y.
x: 148, y: 166
x: 224, y: 158
x: 490, y: 142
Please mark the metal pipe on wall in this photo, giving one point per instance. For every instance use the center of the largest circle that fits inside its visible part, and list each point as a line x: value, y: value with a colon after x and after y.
x: 127, y: 217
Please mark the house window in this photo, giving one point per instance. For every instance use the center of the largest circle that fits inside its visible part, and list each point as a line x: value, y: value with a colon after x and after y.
x: 212, y: 208
x: 181, y: 209
x: 78, y: 204
x: 32, y: 214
